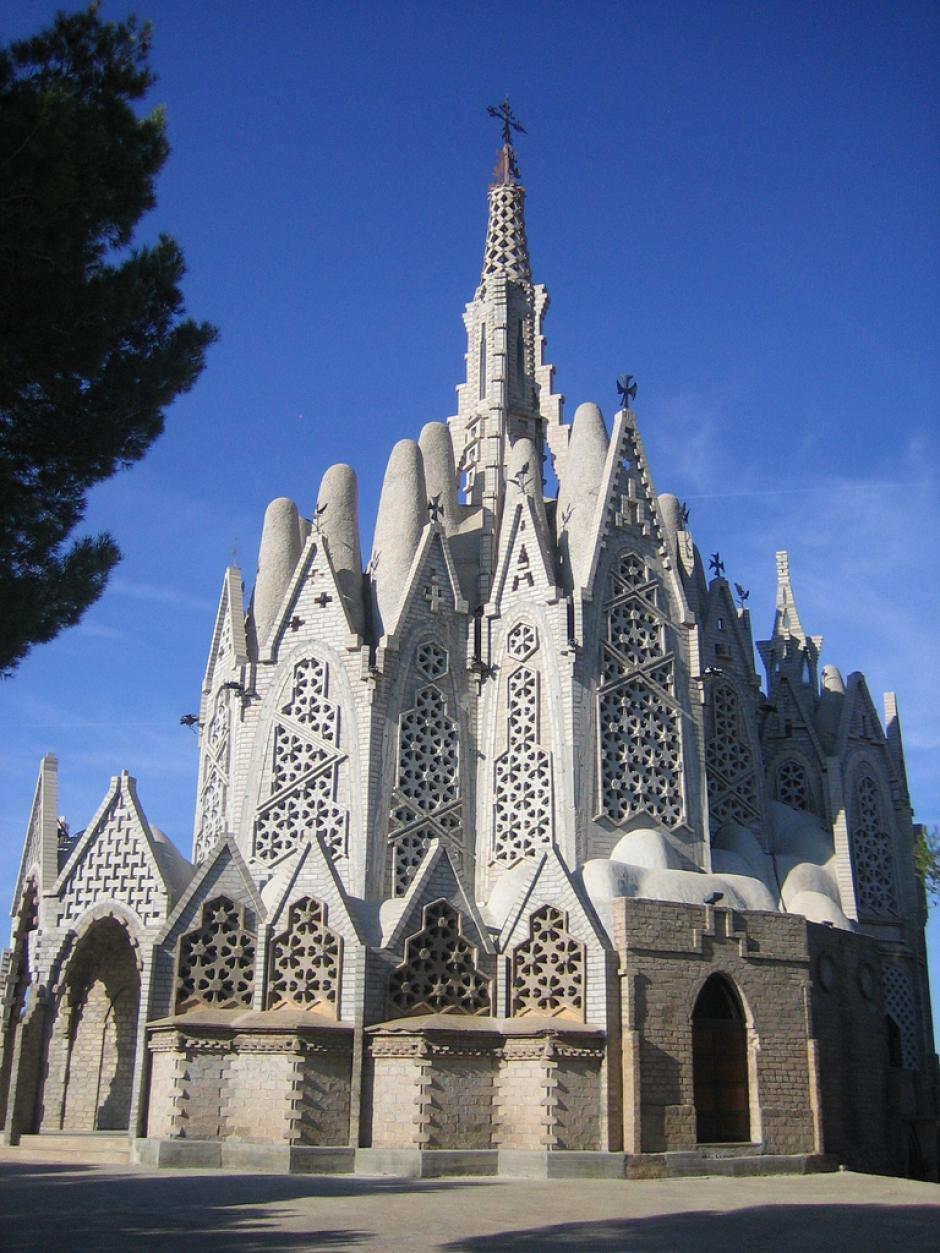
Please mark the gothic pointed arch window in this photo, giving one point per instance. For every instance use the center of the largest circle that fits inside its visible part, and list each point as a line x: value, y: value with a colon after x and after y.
x: 304, y: 782
x: 216, y: 960
x: 426, y: 801
x: 548, y: 969
x: 523, y: 802
x: 730, y: 760
x: 440, y: 972
x: 639, y: 737
x: 306, y: 960
x: 872, y: 853
x: 795, y: 784
x: 720, y: 1064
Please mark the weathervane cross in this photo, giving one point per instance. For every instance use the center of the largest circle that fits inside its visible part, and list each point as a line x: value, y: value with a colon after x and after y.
x: 510, y: 121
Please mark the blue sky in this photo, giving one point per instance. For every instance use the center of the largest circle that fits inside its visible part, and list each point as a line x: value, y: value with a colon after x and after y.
x: 734, y: 201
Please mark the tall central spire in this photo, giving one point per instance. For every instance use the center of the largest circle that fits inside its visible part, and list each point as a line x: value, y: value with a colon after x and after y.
x: 507, y: 395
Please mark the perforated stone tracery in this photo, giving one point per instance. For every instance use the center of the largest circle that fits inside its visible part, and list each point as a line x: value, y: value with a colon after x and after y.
x: 638, y: 722
x: 506, y: 250
x: 213, y: 794
x: 792, y: 785
x: 426, y: 797
x: 305, y: 959
x: 431, y: 660
x: 305, y: 774
x: 900, y: 1004
x: 871, y: 853
x: 548, y: 968
x: 439, y: 973
x: 216, y: 960
x: 523, y: 820
x: 730, y: 762
x: 522, y: 641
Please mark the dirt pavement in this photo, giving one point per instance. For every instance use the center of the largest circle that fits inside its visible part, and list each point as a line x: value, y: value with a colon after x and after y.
x: 102, y: 1208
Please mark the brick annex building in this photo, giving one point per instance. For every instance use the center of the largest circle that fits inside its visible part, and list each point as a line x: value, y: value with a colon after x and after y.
x: 503, y: 859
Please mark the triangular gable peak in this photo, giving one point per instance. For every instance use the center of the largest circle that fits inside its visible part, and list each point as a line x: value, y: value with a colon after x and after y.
x: 229, y: 647
x: 726, y: 634
x: 223, y: 874
x: 115, y: 860
x: 791, y: 716
x: 550, y: 883
x: 524, y: 565
x: 627, y: 504
x: 433, y: 587
x: 313, y: 873
x: 314, y: 606
x: 895, y: 744
x: 859, y: 723
x: 436, y: 879
x: 40, y: 847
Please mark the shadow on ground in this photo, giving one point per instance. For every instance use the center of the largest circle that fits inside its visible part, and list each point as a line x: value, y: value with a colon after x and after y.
x: 759, y: 1229
x: 82, y: 1208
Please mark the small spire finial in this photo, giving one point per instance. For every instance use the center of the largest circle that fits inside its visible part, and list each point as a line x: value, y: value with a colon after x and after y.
x: 507, y: 169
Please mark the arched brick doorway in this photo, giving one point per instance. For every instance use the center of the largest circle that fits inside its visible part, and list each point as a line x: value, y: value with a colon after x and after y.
x: 94, y: 1036
x: 719, y: 1064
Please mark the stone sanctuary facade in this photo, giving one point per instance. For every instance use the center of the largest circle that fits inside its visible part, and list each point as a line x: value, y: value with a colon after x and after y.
x: 503, y: 858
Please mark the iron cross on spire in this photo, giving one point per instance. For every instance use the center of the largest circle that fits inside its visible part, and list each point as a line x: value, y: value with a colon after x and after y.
x: 507, y: 168
x: 510, y: 121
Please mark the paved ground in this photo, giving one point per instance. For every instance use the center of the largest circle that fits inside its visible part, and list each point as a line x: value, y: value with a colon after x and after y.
x: 104, y: 1208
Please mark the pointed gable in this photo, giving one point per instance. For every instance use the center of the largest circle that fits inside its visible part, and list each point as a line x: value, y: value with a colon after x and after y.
x: 549, y: 883
x: 229, y: 647
x: 726, y: 634
x: 312, y: 873
x: 314, y: 607
x: 435, y: 880
x: 223, y: 874
x: 859, y: 724
x: 433, y: 587
x: 40, y: 847
x: 116, y: 859
x: 524, y: 564
x: 627, y: 502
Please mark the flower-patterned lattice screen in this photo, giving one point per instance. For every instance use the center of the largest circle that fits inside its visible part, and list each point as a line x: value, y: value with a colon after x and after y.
x: 522, y: 776
x: 439, y: 974
x: 639, y: 746
x: 305, y: 773
x: 305, y: 960
x: 216, y: 964
x: 548, y: 969
x: 426, y: 802
x: 871, y: 852
x: 730, y: 761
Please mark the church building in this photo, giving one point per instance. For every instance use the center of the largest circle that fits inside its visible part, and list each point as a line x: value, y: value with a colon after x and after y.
x: 506, y: 859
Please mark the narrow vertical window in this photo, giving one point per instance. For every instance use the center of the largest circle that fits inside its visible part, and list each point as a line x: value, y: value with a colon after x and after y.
x: 483, y: 362
x: 520, y: 356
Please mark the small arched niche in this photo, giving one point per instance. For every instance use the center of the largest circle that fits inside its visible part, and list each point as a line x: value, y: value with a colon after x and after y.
x: 720, y: 1064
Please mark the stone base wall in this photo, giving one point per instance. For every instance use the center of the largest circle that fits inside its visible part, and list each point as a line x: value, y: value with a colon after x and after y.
x: 436, y: 1090
x: 458, y: 1102
x: 396, y: 1101
x: 266, y: 1089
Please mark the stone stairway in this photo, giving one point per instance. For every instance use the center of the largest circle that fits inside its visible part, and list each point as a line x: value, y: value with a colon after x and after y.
x: 93, y: 1148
